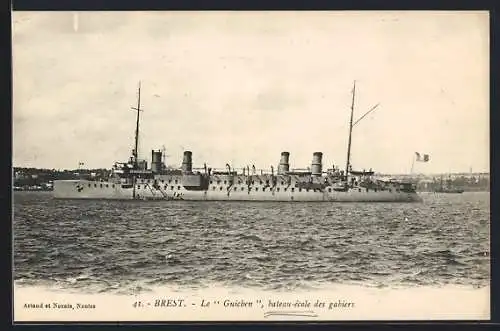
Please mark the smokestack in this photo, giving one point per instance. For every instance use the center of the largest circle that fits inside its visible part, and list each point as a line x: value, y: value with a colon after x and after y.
x: 156, y: 161
x: 187, y: 163
x: 284, y: 166
x: 316, y: 166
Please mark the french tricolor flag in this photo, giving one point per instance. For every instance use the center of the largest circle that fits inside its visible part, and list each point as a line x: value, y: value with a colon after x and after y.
x: 422, y: 157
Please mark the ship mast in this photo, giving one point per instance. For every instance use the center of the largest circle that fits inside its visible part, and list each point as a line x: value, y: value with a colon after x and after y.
x: 136, y: 154
x: 350, y: 136
x: 138, y: 109
x: 351, y: 125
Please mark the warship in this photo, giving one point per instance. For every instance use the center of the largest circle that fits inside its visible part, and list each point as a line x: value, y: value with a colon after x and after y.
x: 134, y: 180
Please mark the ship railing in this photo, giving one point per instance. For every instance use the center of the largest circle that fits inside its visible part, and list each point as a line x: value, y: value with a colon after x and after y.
x: 239, y: 171
x: 261, y: 171
x: 140, y: 172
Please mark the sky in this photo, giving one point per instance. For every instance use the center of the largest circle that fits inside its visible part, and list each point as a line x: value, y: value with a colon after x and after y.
x: 241, y: 87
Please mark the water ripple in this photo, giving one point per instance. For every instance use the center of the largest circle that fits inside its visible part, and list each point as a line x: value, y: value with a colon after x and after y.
x: 116, y: 245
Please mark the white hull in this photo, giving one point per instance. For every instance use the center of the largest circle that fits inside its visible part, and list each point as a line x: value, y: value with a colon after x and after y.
x: 84, y: 189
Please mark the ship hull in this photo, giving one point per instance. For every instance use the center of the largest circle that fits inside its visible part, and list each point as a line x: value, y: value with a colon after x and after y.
x: 83, y: 189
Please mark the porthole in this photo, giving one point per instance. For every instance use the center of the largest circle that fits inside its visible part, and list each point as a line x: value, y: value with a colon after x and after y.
x: 221, y: 188
x: 282, y: 183
x: 113, y: 186
x: 277, y: 189
x: 256, y: 189
x: 138, y: 187
x: 95, y: 185
x: 176, y: 181
x: 225, y: 182
x: 100, y: 185
x: 293, y: 189
x: 329, y: 190
x: 211, y: 182
x: 300, y: 190
x: 285, y: 189
x: 171, y: 187
x: 107, y: 185
x: 263, y: 189
x: 242, y: 188
x: 89, y: 184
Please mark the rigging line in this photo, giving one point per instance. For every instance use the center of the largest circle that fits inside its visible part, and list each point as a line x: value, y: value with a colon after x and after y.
x: 368, y: 112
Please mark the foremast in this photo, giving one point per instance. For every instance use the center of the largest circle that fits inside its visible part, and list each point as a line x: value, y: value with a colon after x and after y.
x: 135, y: 153
x: 138, y: 109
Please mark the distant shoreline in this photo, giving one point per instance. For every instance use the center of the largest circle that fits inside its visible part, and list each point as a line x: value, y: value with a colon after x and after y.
x: 32, y: 190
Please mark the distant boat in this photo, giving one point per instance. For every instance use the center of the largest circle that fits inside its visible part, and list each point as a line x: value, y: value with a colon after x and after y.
x: 448, y: 188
